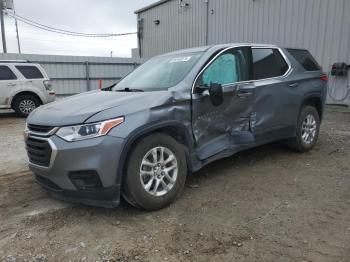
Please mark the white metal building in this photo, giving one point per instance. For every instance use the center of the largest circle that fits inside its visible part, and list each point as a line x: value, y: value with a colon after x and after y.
x: 322, y: 26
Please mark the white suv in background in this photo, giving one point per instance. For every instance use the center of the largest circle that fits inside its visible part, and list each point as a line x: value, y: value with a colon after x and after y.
x: 24, y: 86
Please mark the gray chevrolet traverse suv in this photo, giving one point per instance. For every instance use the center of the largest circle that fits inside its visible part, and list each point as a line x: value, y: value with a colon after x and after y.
x: 171, y: 116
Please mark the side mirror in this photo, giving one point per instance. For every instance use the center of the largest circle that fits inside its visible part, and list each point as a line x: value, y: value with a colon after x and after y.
x: 216, y: 94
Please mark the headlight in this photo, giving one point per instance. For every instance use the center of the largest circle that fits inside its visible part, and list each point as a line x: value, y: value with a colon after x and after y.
x: 80, y: 132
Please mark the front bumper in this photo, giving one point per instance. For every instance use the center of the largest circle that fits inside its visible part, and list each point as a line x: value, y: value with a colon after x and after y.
x: 98, y: 156
x: 106, y: 197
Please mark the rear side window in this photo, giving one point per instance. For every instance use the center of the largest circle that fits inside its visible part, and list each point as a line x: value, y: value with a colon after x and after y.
x: 305, y: 59
x: 30, y: 72
x: 6, y: 73
x: 268, y: 63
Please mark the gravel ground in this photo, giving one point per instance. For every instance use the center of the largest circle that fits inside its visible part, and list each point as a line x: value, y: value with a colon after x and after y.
x: 265, y: 204
x: 13, y: 157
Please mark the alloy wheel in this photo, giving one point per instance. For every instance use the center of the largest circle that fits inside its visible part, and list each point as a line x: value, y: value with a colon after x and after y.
x: 27, y: 106
x: 309, y: 129
x: 158, y: 171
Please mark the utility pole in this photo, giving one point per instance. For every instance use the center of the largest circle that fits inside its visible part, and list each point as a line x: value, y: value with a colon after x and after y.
x: 16, y: 24
x: 2, y: 26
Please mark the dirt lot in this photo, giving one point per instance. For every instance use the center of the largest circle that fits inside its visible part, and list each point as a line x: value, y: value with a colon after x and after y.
x: 266, y: 204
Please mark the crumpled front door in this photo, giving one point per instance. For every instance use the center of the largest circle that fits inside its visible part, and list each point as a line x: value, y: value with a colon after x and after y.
x: 222, y: 127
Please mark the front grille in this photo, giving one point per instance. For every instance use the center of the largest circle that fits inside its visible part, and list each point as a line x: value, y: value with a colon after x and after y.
x: 40, y: 129
x: 39, y: 151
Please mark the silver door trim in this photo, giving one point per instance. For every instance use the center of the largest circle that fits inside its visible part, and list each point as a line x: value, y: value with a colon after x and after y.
x: 289, y: 70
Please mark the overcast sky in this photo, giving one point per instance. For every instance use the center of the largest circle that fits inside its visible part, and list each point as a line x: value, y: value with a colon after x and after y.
x: 89, y: 16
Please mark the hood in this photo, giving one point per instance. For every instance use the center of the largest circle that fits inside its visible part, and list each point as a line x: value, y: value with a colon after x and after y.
x: 77, y: 109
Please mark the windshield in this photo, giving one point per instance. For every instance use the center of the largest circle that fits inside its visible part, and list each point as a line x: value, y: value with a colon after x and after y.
x: 159, y: 73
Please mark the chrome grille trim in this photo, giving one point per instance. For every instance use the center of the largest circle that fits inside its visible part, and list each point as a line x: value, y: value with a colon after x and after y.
x: 53, y: 153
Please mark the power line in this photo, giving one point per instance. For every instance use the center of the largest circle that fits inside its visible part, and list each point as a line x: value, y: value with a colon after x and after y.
x: 67, y: 31
x: 53, y: 28
x: 62, y: 31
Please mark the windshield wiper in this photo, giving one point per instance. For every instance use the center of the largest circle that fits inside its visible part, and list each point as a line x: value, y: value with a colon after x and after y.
x: 127, y: 89
x: 108, y: 88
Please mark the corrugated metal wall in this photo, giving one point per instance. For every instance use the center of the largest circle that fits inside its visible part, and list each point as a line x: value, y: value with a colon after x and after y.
x: 69, y: 75
x: 322, y: 26
x: 179, y: 27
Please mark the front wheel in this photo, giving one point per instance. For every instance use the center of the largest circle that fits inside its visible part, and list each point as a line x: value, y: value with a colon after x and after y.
x: 156, y: 172
x: 308, y: 128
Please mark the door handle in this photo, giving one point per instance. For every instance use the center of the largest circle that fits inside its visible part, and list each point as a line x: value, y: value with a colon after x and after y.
x: 244, y: 91
x: 11, y: 84
x: 293, y: 85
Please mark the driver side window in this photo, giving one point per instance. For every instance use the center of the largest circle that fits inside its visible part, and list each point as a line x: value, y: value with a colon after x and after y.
x: 223, y: 70
x: 230, y: 67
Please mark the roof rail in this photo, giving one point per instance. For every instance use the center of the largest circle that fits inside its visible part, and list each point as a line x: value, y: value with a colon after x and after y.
x: 14, y: 61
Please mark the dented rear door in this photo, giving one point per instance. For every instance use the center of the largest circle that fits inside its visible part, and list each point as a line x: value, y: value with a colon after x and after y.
x: 276, y: 97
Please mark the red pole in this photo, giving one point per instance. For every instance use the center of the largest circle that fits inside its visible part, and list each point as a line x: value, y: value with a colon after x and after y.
x: 100, y: 84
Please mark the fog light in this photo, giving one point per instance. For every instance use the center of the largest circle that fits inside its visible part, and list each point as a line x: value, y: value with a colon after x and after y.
x: 86, y: 180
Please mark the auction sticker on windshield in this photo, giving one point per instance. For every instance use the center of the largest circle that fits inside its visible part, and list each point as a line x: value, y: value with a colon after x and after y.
x: 180, y: 59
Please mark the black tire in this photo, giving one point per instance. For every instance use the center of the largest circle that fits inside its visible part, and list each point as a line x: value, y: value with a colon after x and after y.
x: 31, y: 101
x: 133, y: 189
x: 297, y: 143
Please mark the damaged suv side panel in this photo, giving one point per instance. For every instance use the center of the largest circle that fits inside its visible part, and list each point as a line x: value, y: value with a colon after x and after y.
x: 171, y: 116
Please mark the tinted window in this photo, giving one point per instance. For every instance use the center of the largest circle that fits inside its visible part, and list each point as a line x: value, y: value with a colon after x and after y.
x: 6, y: 73
x: 305, y: 59
x: 230, y: 67
x: 30, y: 72
x: 268, y: 63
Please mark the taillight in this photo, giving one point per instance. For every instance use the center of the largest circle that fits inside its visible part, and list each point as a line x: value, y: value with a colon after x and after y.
x: 324, y: 78
x: 47, y: 85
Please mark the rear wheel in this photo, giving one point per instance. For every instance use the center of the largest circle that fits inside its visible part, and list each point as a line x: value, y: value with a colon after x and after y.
x: 308, y: 128
x: 25, y: 104
x: 156, y: 172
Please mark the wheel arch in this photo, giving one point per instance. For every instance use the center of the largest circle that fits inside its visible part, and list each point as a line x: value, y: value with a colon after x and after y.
x: 25, y: 93
x: 315, y: 100
x: 174, y: 129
